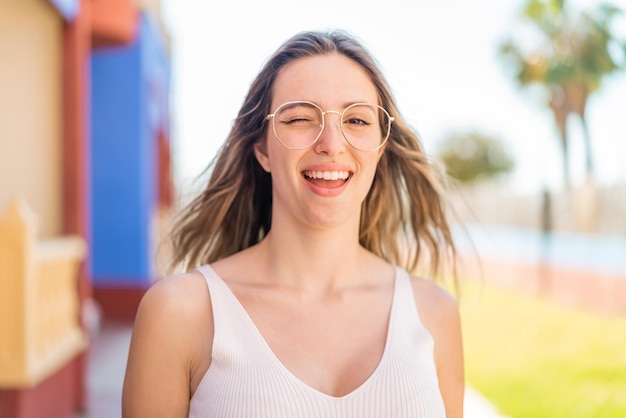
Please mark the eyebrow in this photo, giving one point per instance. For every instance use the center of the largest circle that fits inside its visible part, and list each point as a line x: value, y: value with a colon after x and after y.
x: 344, y: 104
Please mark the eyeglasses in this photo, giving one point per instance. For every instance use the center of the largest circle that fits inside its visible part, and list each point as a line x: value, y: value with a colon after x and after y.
x: 298, y: 125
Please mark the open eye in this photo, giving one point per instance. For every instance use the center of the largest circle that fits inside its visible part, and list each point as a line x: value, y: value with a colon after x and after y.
x: 356, y: 121
x: 360, y: 116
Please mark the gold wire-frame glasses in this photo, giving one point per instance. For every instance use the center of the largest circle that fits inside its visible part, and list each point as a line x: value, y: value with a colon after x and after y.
x: 299, y: 124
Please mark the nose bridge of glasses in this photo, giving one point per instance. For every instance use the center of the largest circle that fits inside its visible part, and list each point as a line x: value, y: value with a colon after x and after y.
x: 326, y: 127
x: 335, y: 112
x: 324, y: 120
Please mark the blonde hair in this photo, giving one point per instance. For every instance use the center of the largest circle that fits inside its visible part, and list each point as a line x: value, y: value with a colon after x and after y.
x: 402, y: 216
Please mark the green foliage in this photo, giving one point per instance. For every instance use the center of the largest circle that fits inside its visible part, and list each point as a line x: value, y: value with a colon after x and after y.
x: 470, y: 157
x: 570, y: 55
x: 532, y: 358
x: 572, y: 47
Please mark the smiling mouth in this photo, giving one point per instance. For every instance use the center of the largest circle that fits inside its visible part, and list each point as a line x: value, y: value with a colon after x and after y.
x: 327, y: 175
x: 327, y: 178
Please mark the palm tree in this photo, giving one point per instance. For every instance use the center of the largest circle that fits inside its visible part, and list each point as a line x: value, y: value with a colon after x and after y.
x: 574, y: 54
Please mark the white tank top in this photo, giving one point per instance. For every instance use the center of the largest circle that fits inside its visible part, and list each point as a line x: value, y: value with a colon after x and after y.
x: 246, y: 379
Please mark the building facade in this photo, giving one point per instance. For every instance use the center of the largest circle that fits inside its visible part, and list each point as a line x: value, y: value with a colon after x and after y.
x: 85, y: 142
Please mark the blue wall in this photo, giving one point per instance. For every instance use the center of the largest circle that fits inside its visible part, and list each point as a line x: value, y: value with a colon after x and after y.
x: 125, y: 159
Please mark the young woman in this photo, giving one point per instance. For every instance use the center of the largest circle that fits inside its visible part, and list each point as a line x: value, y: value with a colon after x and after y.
x: 297, y: 301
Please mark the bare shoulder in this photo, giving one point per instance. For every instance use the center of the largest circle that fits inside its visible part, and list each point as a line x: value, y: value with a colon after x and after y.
x: 172, y: 312
x: 175, y: 312
x: 170, y: 347
x: 434, y: 303
x: 175, y: 298
x: 439, y: 312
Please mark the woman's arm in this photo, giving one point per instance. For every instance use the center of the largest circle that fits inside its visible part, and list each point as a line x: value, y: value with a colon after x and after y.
x: 172, y: 329
x: 440, y: 313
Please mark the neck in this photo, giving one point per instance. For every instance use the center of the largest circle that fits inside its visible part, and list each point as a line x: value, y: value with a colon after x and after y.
x: 313, y: 258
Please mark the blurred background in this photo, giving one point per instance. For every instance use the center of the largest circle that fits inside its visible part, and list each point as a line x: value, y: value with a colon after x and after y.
x: 112, y: 109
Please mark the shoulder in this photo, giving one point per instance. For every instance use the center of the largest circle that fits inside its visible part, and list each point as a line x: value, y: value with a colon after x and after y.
x: 176, y: 315
x: 172, y: 312
x: 439, y: 312
x: 177, y: 297
x: 170, y: 347
x: 434, y: 303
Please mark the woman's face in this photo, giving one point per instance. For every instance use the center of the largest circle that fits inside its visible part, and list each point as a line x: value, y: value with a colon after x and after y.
x: 325, y: 183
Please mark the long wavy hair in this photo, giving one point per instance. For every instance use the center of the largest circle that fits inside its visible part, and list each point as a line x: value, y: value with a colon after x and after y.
x: 403, y: 218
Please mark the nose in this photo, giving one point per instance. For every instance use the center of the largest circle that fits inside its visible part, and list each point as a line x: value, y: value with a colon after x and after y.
x: 331, y: 140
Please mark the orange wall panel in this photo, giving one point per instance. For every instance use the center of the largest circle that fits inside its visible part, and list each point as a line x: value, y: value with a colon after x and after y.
x: 113, y: 22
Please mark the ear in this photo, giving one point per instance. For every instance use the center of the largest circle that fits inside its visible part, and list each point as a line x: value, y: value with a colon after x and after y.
x: 260, y: 152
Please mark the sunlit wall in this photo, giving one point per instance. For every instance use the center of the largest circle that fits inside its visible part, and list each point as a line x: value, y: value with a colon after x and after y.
x: 31, y: 108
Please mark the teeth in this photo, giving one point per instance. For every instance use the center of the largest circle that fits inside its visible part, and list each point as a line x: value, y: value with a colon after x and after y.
x: 327, y: 175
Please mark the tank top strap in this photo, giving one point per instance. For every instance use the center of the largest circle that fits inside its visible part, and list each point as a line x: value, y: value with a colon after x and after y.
x: 231, y: 324
x: 406, y: 320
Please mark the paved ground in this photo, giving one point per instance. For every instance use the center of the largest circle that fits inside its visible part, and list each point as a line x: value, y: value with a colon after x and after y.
x: 108, y: 361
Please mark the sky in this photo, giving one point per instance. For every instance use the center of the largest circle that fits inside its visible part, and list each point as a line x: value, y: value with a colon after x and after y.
x: 440, y: 59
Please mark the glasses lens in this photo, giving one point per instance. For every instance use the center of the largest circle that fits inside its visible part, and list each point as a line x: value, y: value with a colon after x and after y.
x: 297, y: 124
x: 365, y: 126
